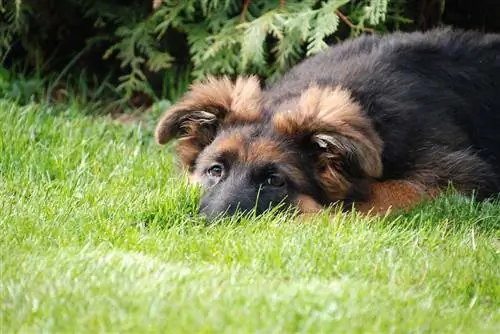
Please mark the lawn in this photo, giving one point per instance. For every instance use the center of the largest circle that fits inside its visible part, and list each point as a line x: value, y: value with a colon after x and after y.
x: 99, y: 234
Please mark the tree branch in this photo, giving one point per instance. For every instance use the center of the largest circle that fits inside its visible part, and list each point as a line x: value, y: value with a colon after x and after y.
x: 244, y: 10
x: 351, y: 25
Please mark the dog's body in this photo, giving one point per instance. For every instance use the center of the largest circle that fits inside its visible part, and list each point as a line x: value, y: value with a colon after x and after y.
x: 408, y: 113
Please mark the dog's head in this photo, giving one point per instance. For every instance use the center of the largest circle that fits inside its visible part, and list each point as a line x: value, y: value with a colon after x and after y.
x: 310, y: 151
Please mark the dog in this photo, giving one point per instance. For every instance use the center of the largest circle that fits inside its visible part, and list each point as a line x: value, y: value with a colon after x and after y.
x: 373, y: 123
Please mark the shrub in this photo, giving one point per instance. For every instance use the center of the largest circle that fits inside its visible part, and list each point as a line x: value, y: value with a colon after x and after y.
x: 145, y: 43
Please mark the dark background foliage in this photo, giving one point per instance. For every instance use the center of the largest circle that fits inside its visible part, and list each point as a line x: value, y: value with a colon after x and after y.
x: 131, y: 53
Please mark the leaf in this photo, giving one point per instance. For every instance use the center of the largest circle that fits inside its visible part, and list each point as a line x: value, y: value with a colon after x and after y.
x: 254, y: 35
x: 159, y: 61
x: 377, y: 11
x: 325, y: 24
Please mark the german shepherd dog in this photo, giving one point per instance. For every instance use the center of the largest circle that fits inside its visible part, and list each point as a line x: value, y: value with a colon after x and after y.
x: 374, y: 123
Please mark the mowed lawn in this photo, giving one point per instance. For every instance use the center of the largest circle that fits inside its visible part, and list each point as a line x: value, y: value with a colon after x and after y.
x: 99, y: 233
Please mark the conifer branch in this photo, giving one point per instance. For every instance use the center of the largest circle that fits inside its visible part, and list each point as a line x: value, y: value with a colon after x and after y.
x: 351, y: 25
x: 244, y: 11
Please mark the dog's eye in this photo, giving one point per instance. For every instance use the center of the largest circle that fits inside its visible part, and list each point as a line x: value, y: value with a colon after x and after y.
x: 275, y: 181
x: 215, y: 171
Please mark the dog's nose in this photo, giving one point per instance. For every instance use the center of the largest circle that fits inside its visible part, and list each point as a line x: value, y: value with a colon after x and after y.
x: 233, y: 197
x: 211, y: 212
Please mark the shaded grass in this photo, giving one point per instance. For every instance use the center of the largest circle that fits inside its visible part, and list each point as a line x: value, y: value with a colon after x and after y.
x: 99, y: 233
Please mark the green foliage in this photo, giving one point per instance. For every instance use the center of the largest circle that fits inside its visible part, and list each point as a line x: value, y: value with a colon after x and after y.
x: 206, y: 36
x: 14, y: 15
x: 376, y: 11
x: 264, y: 38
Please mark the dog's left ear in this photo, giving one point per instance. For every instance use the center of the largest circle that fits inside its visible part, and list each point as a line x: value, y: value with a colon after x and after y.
x: 330, y: 123
x: 206, y: 108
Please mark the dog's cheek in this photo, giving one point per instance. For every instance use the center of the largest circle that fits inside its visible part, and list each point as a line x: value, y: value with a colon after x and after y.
x: 194, y: 179
x: 201, y: 181
x: 307, y: 204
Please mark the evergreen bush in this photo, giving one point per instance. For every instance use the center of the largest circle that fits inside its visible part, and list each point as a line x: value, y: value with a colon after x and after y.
x: 140, y: 41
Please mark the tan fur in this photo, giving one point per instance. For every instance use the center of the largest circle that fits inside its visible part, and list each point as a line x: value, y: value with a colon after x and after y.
x: 231, y: 145
x: 262, y: 150
x: 234, y: 144
x: 333, y: 183
x: 209, y: 105
x: 240, y: 147
x: 395, y: 195
x: 193, y: 178
x: 337, y: 124
x: 188, y: 149
x: 214, y: 99
x: 245, y: 100
x: 398, y: 195
x: 307, y: 205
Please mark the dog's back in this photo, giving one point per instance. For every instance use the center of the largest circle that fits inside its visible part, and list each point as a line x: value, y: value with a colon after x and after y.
x: 433, y: 98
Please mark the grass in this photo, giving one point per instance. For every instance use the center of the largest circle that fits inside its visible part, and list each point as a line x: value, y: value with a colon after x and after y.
x: 99, y: 234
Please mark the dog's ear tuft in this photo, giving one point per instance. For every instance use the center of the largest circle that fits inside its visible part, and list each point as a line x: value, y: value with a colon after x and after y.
x: 345, y: 143
x: 210, y: 103
x: 205, y: 108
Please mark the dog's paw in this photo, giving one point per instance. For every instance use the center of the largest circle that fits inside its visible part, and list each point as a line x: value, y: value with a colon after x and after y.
x: 394, y: 195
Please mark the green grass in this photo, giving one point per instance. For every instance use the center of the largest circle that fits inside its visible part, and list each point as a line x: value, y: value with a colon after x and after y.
x: 99, y: 234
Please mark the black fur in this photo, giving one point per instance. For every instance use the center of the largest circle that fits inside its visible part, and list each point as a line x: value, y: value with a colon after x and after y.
x: 434, y: 99
x: 243, y: 186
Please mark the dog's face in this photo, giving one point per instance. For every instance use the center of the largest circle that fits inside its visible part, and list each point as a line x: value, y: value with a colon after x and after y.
x: 249, y: 167
x: 312, y: 150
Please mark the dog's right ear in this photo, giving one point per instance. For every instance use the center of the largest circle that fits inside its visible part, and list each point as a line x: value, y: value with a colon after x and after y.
x: 206, y: 108
x: 332, y: 126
